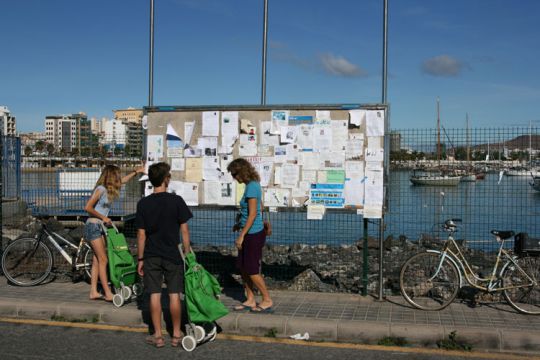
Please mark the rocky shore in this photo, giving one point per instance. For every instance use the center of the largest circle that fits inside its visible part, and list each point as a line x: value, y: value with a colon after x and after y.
x: 300, y: 267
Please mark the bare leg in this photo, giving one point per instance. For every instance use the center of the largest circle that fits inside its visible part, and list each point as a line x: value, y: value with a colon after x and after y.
x: 155, y: 313
x: 258, y: 281
x: 100, y: 254
x: 248, y: 288
x: 94, y: 276
x: 176, y: 314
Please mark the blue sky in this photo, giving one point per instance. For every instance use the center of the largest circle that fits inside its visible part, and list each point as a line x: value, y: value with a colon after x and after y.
x: 478, y: 56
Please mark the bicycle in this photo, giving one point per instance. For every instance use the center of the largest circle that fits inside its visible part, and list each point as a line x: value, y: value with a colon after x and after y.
x: 431, y: 280
x: 28, y: 261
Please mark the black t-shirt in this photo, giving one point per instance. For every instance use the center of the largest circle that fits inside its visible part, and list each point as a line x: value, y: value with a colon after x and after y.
x: 160, y: 215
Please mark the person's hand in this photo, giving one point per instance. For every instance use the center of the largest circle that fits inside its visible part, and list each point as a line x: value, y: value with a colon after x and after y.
x: 239, y: 242
x: 187, y: 249
x: 107, y: 221
x: 140, y: 268
x: 140, y: 169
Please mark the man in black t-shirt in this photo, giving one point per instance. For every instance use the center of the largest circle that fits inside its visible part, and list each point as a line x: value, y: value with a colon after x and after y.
x: 161, y: 217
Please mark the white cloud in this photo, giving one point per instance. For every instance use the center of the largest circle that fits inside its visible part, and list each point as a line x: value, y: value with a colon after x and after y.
x: 339, y: 66
x: 443, y: 65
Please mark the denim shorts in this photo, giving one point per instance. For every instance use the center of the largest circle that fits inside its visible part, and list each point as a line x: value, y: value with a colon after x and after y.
x: 92, y: 231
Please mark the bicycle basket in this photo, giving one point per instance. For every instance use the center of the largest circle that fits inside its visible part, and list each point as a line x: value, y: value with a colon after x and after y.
x: 525, y: 245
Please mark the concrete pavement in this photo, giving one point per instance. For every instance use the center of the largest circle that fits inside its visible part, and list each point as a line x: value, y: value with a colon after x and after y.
x: 350, y: 318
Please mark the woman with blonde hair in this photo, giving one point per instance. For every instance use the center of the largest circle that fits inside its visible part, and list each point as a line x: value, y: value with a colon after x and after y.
x: 251, y: 239
x: 107, y: 189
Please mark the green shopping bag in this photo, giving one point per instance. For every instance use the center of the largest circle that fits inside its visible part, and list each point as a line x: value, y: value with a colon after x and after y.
x: 201, y: 293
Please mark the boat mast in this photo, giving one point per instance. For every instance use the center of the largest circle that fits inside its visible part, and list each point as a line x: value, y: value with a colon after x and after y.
x: 530, y: 142
x: 438, y: 135
x: 468, y: 140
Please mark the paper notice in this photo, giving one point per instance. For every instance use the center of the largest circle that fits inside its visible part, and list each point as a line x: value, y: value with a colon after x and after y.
x: 315, y: 212
x: 276, y: 197
x: 289, y: 134
x: 178, y: 164
x: 304, y: 137
x: 210, y: 123
x: 227, y: 195
x: 322, y: 117
x: 229, y: 123
x: 188, y: 131
x: 266, y: 136
x: 357, y: 118
x: 194, y: 169
x: 322, y: 138
x: 354, y: 169
x: 154, y: 147
x: 354, y: 192
x: 339, y: 135
x: 279, y: 118
x: 290, y: 175
x: 375, y: 122
x: 212, y: 191
x: 212, y: 169
x: 191, y: 194
x: 355, y: 149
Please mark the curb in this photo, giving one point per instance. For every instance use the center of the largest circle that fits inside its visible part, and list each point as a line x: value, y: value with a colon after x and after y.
x: 266, y: 325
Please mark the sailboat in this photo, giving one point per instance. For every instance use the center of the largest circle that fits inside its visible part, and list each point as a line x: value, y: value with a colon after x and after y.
x: 421, y: 177
x: 469, y: 176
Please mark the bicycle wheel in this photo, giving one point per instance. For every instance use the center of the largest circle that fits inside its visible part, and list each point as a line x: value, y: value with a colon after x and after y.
x: 426, y: 288
x: 525, y: 297
x: 27, y: 262
x: 87, y: 255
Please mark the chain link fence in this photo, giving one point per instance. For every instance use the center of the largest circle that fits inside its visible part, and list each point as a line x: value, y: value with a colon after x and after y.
x: 494, y: 169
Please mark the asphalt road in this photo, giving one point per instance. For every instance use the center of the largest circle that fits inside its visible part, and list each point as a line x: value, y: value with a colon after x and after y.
x: 25, y: 341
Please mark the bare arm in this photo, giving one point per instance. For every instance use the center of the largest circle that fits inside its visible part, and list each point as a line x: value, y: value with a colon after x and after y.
x: 141, y: 241
x: 186, y: 244
x: 139, y: 170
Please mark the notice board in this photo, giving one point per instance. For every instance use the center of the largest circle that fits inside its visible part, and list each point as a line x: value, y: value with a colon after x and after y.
x: 314, y: 156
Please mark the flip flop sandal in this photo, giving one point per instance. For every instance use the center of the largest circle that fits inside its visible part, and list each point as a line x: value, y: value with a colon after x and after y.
x: 261, y: 310
x: 158, y: 342
x: 176, y: 340
x: 243, y: 307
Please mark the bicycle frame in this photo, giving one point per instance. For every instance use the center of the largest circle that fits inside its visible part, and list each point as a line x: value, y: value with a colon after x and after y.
x: 53, y: 236
x: 453, y: 253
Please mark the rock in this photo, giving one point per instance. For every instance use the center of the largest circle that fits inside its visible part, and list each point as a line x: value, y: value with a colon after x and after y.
x: 372, y: 243
x: 309, y: 281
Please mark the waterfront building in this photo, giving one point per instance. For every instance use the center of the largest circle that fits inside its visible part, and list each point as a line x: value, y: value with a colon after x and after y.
x: 68, y: 132
x: 31, y: 138
x: 129, y: 115
x: 7, y: 122
x: 114, y: 134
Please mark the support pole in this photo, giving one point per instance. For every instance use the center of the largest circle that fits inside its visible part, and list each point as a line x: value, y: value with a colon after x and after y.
x: 384, y: 101
x: 265, y: 41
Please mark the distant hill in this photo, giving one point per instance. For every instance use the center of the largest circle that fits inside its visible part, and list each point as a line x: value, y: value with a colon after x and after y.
x: 521, y: 142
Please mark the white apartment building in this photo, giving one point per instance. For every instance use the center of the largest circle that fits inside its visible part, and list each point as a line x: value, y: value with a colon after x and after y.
x: 67, y: 132
x: 114, y: 133
x: 7, y: 122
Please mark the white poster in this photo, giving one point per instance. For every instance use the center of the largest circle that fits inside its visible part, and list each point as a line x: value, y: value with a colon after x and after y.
x: 212, y: 168
x: 357, y: 118
x: 304, y: 137
x: 229, y: 123
x: 279, y: 118
x: 210, y: 123
x: 375, y: 123
x: 290, y: 175
x: 274, y: 197
x: 266, y: 136
x: 227, y: 195
x: 339, y: 135
x: 322, y: 138
x: 212, y: 190
x: 289, y: 134
x: 178, y: 164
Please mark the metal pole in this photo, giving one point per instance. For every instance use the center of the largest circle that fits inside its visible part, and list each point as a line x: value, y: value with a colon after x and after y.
x: 384, y: 101
x: 265, y: 40
x: 151, y: 60
x: 365, y: 265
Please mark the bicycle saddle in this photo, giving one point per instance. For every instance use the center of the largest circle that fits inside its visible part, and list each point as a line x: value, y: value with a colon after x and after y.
x: 503, y: 234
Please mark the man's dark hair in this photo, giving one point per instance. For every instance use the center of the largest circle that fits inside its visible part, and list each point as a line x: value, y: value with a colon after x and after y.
x: 158, y: 172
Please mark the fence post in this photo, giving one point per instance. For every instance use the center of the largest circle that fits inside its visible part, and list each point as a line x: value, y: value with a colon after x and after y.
x: 365, y: 265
